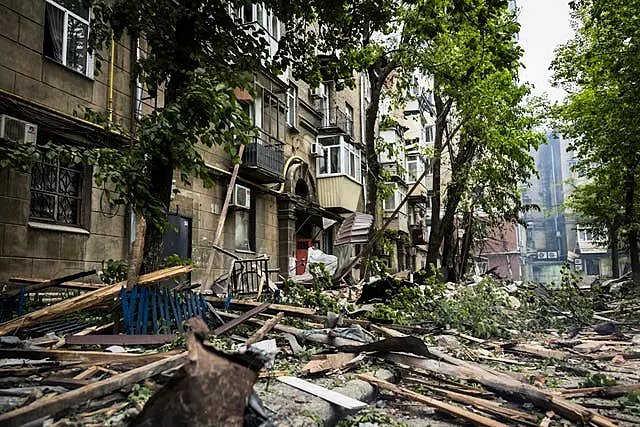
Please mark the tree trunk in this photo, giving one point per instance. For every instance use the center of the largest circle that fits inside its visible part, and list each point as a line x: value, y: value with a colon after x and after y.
x: 466, y: 246
x: 632, y: 235
x: 373, y: 165
x: 615, y: 255
x: 435, y: 236
x: 377, y: 75
x: 162, y: 170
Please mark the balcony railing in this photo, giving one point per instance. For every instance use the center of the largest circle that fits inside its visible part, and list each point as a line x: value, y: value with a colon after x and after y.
x: 336, y: 120
x: 263, y: 159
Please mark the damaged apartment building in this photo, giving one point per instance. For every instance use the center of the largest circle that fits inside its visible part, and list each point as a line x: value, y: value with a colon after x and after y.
x: 300, y: 177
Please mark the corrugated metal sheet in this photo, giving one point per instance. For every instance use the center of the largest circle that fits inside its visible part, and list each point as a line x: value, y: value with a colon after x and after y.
x: 354, y: 229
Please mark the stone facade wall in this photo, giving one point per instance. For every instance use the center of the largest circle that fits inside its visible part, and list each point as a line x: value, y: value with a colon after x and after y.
x: 26, y: 248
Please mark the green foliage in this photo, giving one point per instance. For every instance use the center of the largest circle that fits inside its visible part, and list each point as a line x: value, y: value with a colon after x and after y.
x: 140, y: 394
x: 175, y: 260
x: 599, y: 69
x: 369, y: 416
x: 560, y: 305
x: 114, y: 271
x: 597, y: 380
x: 297, y: 294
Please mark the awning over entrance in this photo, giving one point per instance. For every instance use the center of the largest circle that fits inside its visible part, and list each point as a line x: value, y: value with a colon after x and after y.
x: 355, y: 229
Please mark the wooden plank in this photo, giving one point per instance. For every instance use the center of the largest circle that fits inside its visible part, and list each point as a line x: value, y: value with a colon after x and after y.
x: 239, y: 304
x: 49, y: 406
x: 119, y: 339
x: 327, y: 362
x: 94, y: 357
x: 323, y: 393
x: 503, y: 384
x: 221, y: 220
x: 68, y: 383
x: 80, y: 286
x: 53, y: 282
x: 605, y: 392
x: 268, y: 325
x: 86, y: 300
x: 434, y: 403
x: 235, y: 322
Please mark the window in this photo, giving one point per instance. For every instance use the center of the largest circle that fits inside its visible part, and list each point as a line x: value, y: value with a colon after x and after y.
x: 338, y: 157
x: 56, y: 192
x: 415, y: 167
x: 349, y: 121
x: 245, y: 228
x: 428, y: 134
x: 584, y: 234
x: 66, y: 34
x: 323, y: 104
x: 292, y: 101
x: 393, y: 200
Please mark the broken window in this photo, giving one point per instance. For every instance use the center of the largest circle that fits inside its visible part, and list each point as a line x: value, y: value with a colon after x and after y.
x: 66, y: 34
x: 56, y: 192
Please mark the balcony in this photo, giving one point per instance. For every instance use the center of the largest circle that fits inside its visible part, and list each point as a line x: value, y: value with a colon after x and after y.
x: 335, y: 121
x: 263, y: 160
x: 419, y: 234
x: 339, y: 193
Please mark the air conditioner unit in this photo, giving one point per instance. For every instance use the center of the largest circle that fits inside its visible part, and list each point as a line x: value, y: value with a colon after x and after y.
x: 242, y: 197
x: 316, y: 150
x: 542, y: 255
x: 17, y: 130
x: 552, y: 255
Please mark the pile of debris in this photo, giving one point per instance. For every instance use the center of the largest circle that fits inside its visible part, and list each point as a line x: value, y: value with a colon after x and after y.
x: 245, y: 362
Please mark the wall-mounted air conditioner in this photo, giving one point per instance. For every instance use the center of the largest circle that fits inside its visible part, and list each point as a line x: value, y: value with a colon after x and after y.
x: 552, y: 255
x: 315, y: 150
x: 241, y: 197
x: 542, y: 255
x: 17, y: 130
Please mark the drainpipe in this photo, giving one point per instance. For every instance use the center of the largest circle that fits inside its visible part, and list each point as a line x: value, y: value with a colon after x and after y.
x: 111, y: 68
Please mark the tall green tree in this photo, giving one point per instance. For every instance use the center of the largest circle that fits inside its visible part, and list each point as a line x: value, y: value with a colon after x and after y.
x: 481, y: 124
x: 600, y: 69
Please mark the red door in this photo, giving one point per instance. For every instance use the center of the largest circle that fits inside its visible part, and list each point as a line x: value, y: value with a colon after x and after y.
x: 302, y: 250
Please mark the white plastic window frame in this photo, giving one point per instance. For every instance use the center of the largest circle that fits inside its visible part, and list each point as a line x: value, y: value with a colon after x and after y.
x: 65, y: 36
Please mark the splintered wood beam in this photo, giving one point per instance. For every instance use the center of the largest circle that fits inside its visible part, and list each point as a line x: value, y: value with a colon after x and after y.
x: 238, y: 320
x: 49, y: 406
x: 434, y: 403
x: 245, y: 304
x: 264, y: 330
x: 81, y: 286
x: 93, y: 357
x: 48, y: 283
x: 119, y: 339
x: 84, y: 301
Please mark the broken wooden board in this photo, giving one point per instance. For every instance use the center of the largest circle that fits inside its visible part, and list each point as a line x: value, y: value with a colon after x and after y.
x: 326, y: 362
x: 86, y: 300
x: 434, y: 403
x: 119, y: 339
x: 49, y: 406
x: 264, y: 330
x: 242, y: 318
x: 94, y: 357
x: 79, y: 286
x: 504, y: 384
x: 274, y: 308
x: 48, y: 283
x: 323, y: 393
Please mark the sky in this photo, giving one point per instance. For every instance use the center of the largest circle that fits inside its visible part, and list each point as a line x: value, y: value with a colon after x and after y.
x: 544, y: 25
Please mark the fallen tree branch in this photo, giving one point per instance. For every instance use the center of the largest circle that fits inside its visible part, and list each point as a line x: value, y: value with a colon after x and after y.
x: 434, y: 403
x: 268, y: 325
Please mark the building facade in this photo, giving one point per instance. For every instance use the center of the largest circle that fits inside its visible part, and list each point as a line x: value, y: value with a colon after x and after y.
x: 300, y: 177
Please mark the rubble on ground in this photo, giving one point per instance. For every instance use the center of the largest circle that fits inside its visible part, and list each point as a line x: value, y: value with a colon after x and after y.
x: 485, y: 352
